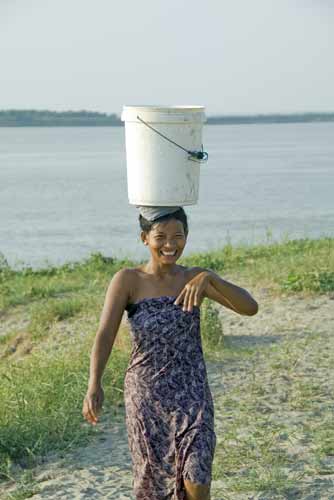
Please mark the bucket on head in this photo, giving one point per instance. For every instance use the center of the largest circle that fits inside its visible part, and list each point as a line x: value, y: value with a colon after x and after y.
x: 163, y: 154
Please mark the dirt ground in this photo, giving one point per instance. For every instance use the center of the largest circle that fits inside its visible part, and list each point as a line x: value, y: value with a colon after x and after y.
x: 103, y: 468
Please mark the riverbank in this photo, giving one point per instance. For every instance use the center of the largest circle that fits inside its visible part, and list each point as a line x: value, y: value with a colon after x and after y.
x: 270, y: 375
x: 47, y: 118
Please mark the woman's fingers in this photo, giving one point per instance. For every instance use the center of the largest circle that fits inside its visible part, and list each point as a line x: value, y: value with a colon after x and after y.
x: 191, y: 299
x: 186, y: 299
x: 92, y: 405
x: 197, y: 299
x: 90, y: 411
x: 89, y: 415
x: 179, y: 298
x: 190, y: 296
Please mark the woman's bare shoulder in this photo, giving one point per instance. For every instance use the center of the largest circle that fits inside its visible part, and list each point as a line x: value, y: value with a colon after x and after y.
x: 131, y: 280
x: 126, y: 278
x: 125, y: 273
x: 191, y: 272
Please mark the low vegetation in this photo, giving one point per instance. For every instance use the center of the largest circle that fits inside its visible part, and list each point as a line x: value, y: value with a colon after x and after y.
x: 276, y: 427
x: 48, y: 321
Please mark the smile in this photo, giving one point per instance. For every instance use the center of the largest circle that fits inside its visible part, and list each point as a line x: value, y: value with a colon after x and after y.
x: 168, y: 254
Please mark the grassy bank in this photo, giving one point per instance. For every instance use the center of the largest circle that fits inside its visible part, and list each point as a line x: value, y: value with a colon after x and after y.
x: 275, y: 426
x: 49, y: 318
x: 293, y: 266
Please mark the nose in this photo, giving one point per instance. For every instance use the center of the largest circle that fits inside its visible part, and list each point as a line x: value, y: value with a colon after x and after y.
x: 169, y: 244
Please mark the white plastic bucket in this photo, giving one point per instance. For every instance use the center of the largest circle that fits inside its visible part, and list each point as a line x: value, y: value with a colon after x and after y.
x: 160, y: 173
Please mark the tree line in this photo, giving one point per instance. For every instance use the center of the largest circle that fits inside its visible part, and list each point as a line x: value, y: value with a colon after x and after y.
x: 45, y: 118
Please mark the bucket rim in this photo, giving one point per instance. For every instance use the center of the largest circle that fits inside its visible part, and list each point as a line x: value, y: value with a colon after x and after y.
x: 164, y: 108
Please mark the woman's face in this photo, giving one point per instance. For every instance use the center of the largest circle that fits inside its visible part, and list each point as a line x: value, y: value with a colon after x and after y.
x: 166, y: 241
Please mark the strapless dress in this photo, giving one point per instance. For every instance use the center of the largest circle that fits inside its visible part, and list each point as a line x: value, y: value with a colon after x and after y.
x: 168, y: 402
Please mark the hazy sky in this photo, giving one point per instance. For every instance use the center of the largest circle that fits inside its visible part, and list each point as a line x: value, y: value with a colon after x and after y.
x: 232, y: 56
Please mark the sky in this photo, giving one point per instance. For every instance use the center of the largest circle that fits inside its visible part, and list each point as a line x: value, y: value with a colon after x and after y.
x: 231, y: 56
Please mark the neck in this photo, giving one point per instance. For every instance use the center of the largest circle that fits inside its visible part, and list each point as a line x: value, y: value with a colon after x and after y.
x: 160, y: 270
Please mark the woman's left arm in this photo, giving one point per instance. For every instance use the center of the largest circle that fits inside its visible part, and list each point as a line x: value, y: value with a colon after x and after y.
x: 208, y: 284
x: 230, y: 295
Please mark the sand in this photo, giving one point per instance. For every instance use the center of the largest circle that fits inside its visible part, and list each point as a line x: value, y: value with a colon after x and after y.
x: 102, y: 469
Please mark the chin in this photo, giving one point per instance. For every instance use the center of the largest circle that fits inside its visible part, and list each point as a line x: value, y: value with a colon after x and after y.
x: 169, y: 259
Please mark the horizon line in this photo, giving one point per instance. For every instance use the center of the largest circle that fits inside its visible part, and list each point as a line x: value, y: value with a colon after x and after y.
x: 218, y: 114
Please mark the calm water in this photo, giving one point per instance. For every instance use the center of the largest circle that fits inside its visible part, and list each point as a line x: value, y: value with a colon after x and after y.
x: 63, y: 191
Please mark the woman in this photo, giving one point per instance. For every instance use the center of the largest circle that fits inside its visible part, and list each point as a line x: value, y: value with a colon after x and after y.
x: 169, y: 407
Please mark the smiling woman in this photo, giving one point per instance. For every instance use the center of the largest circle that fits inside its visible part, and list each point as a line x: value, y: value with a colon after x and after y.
x: 168, y: 240
x: 169, y: 405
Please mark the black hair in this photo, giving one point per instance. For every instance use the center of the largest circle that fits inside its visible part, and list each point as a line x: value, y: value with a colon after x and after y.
x: 180, y: 215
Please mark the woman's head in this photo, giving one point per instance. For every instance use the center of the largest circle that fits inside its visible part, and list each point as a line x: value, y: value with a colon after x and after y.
x: 179, y: 214
x: 166, y: 236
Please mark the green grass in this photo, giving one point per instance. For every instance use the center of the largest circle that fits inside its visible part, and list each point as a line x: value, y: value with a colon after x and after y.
x: 42, y: 392
x: 26, y: 487
x: 211, y: 329
x: 42, y: 399
x: 25, y: 286
x: 277, y: 406
x: 316, y: 281
x: 44, y: 315
x: 291, y: 266
x: 4, y: 339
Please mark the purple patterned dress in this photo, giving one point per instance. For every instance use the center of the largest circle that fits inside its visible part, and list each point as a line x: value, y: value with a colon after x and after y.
x: 168, y: 402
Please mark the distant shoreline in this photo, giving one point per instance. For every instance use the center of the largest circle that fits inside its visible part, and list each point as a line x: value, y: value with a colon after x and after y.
x: 34, y: 118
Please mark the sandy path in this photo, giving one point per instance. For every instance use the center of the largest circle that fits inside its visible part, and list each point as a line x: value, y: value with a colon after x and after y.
x: 100, y: 470
x: 103, y: 468
x: 304, y: 326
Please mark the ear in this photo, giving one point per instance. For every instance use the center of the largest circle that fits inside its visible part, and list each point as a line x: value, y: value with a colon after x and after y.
x: 143, y: 237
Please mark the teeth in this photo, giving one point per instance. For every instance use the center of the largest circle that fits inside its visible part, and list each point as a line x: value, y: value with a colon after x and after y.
x: 168, y: 253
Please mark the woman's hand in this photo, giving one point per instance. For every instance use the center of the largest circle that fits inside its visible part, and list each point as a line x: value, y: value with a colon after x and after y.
x: 193, y: 292
x: 92, y: 404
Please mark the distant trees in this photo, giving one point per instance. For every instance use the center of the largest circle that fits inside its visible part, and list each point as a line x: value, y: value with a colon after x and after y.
x: 271, y: 118
x: 45, y: 118
x: 34, y: 118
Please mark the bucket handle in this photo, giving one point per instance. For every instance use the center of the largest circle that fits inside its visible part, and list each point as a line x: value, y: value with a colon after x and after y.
x: 198, y: 156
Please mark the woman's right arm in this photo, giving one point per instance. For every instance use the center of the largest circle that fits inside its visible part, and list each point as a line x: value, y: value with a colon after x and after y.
x: 116, y: 299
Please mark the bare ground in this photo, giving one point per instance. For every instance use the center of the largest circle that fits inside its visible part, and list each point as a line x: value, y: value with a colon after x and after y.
x: 103, y: 468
